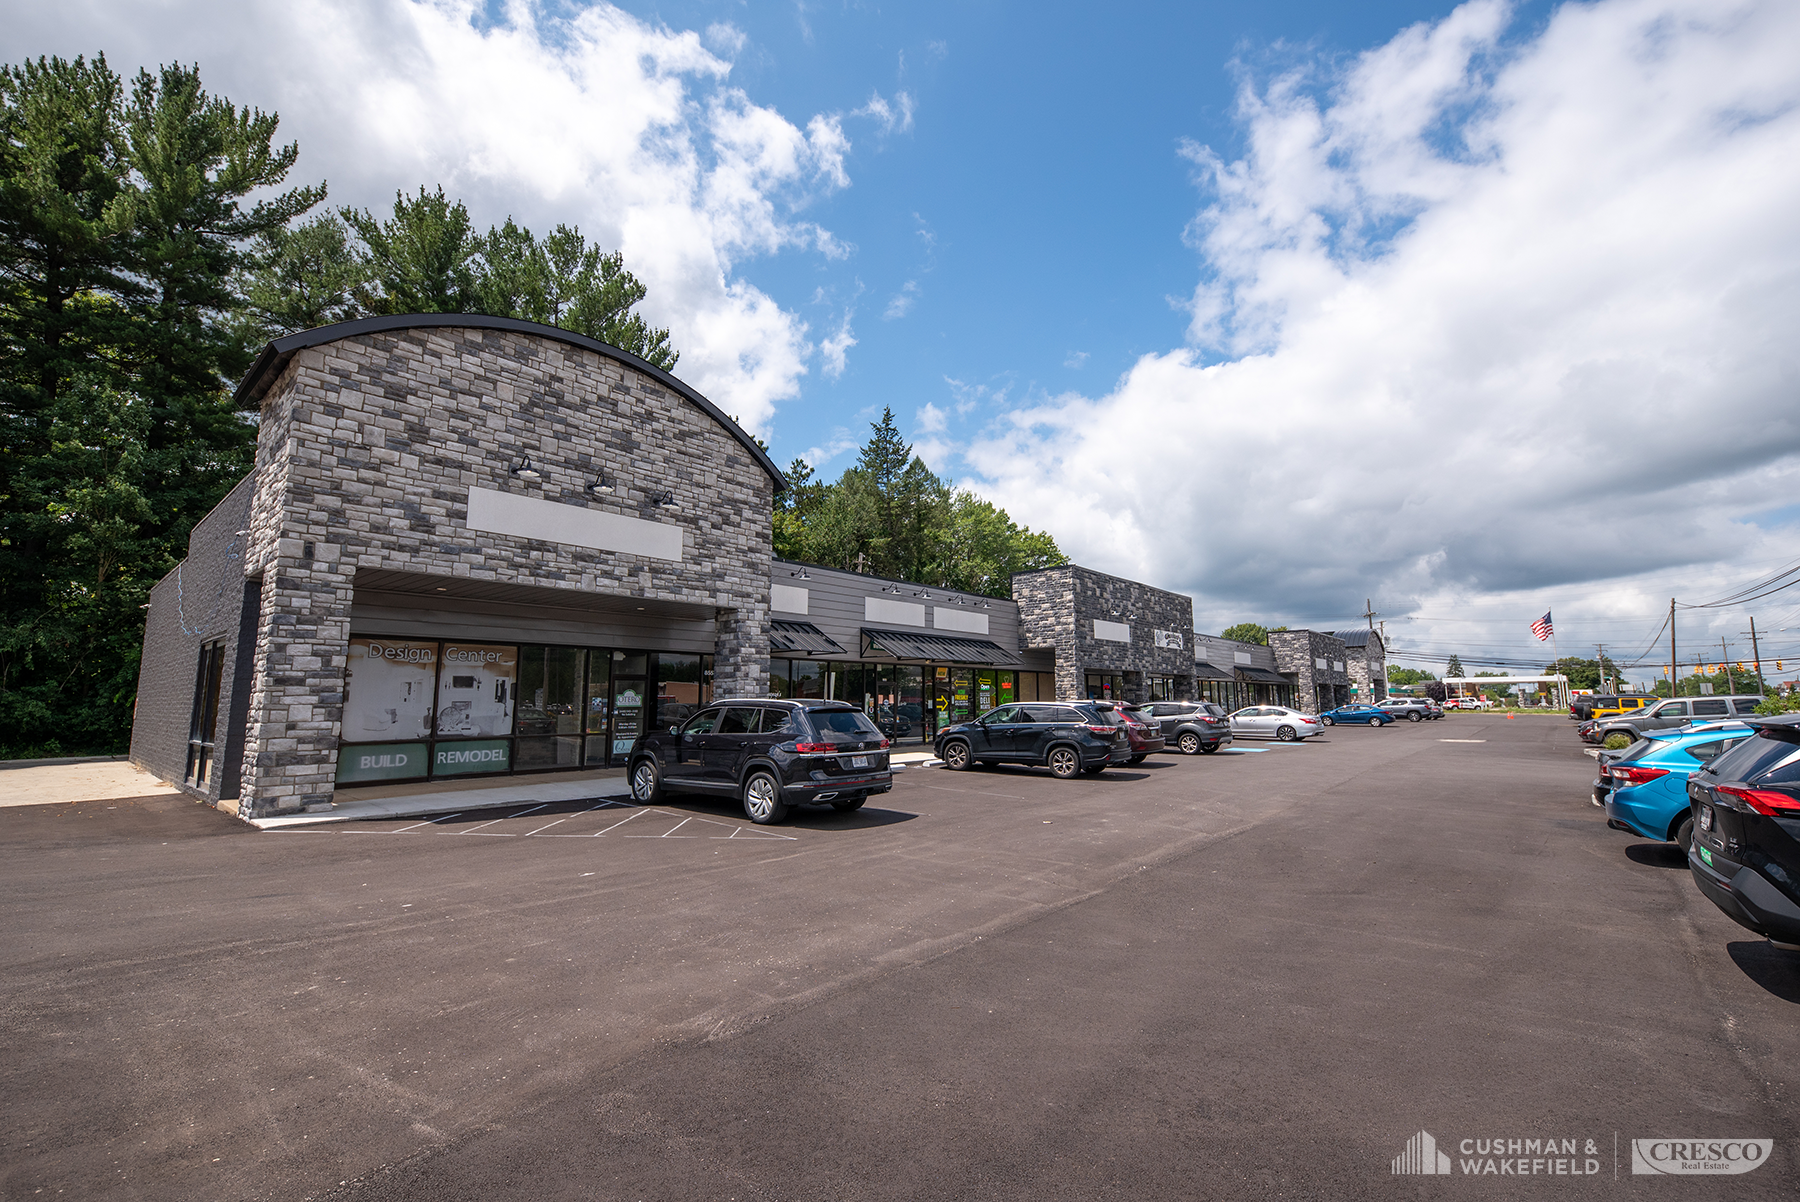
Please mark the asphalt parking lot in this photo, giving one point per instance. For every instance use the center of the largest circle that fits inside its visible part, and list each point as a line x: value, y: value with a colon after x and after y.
x: 1246, y: 975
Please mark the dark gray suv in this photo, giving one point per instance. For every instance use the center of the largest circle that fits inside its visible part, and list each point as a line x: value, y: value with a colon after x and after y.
x: 1194, y: 727
x: 770, y: 754
x: 1667, y: 715
x: 1069, y: 737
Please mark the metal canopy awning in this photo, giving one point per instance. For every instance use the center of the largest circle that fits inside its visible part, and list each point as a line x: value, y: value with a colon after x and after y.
x: 1206, y: 671
x: 1261, y: 676
x: 801, y: 636
x: 936, y: 647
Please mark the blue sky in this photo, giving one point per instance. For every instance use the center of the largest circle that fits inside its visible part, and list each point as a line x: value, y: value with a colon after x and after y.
x: 1474, y: 310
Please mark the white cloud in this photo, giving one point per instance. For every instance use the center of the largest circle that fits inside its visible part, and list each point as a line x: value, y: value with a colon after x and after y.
x: 902, y: 302
x: 625, y: 127
x: 888, y: 117
x: 836, y: 347
x: 1076, y: 359
x: 841, y: 440
x: 1478, y: 319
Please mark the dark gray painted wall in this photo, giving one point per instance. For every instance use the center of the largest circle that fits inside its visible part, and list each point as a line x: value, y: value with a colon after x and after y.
x: 200, y: 601
x: 836, y: 604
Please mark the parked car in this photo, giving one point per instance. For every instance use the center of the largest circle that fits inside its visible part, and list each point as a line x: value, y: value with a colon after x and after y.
x: 1275, y: 722
x: 1669, y: 714
x: 1648, y: 794
x: 1142, y: 731
x: 1745, y: 855
x: 1068, y: 737
x: 1624, y: 703
x: 1194, y: 727
x: 1413, y: 709
x: 770, y: 754
x: 1356, y: 715
x: 1468, y: 703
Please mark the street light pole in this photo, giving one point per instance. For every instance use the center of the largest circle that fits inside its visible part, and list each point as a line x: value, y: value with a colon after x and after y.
x: 1756, y: 658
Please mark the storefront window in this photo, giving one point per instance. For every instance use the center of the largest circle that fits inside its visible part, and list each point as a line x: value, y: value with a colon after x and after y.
x: 388, y: 687
x: 598, y: 708
x: 683, y: 686
x: 550, y: 705
x: 908, y: 715
x: 962, y: 685
x: 1105, y: 686
x: 807, y: 681
x: 630, y: 692
x: 475, y: 690
x: 778, y: 678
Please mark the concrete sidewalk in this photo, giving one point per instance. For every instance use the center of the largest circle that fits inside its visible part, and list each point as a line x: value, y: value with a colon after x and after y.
x: 63, y: 784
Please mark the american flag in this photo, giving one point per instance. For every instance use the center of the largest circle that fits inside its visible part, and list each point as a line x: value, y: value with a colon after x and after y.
x: 1542, y: 628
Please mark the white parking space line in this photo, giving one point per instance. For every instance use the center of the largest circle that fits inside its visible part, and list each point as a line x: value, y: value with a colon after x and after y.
x: 545, y: 827
x: 427, y: 822
x: 668, y: 832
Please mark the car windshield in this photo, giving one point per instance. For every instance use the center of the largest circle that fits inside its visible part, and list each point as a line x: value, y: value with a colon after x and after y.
x: 842, y: 726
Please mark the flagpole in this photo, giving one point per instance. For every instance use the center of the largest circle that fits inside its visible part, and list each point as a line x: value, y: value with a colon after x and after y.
x: 1562, y: 691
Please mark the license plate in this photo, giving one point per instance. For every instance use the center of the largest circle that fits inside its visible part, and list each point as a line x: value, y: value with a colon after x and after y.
x: 859, y: 761
x: 1706, y: 818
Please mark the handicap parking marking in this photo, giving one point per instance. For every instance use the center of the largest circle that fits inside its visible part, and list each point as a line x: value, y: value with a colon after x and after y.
x: 1241, y: 750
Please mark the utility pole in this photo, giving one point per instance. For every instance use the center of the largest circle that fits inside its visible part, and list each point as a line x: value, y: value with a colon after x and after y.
x: 1600, y: 651
x: 1674, y: 664
x: 1756, y: 658
x: 1726, y: 652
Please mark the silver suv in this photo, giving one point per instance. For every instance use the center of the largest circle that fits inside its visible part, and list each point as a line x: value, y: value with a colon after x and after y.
x: 1677, y: 711
x: 1413, y: 709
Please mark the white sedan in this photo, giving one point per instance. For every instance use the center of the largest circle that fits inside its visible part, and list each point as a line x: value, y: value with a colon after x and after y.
x: 1274, y: 722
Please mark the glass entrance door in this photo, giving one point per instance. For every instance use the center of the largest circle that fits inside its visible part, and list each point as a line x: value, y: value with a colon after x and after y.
x: 630, y: 688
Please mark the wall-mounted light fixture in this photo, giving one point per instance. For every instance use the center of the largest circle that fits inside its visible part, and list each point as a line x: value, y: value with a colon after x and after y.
x: 800, y: 574
x: 600, y: 484
x: 524, y: 471
x: 925, y: 593
x: 663, y: 500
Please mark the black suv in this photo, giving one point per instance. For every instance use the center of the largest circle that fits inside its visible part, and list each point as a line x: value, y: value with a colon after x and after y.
x: 772, y: 754
x: 1193, y: 726
x: 1745, y: 855
x: 1068, y: 736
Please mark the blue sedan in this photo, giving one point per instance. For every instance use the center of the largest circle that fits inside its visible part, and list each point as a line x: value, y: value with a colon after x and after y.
x: 1356, y: 715
x: 1649, y: 782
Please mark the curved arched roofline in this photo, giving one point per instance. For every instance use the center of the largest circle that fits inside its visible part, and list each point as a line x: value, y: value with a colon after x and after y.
x: 275, y: 356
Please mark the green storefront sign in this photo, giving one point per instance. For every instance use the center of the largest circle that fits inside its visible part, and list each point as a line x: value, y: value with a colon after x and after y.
x: 473, y: 756
x: 382, y: 761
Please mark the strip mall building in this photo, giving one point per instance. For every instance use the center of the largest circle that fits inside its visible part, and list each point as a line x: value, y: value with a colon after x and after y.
x: 474, y: 546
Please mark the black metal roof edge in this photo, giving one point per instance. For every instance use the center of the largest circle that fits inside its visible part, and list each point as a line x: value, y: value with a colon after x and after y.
x: 944, y: 589
x: 276, y: 354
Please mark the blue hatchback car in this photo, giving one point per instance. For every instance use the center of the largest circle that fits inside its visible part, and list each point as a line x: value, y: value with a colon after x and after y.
x: 1356, y: 715
x: 1649, y: 782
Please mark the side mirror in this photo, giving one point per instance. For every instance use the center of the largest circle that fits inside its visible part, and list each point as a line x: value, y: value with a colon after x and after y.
x: 674, y: 730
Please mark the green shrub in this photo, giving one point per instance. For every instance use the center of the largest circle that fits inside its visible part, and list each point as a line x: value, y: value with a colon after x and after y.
x: 1618, y: 740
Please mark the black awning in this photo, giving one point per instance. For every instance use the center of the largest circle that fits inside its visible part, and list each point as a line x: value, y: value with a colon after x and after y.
x: 801, y: 636
x: 1206, y: 671
x: 941, y: 648
x: 1261, y: 676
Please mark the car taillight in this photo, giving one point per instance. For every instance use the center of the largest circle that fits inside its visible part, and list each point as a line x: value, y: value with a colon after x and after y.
x: 884, y: 745
x: 1635, y: 776
x: 814, y: 748
x: 1764, y: 801
x: 1102, y: 730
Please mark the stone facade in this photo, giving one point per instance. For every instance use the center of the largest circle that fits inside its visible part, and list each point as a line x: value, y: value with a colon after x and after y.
x: 1366, y: 657
x: 1106, y: 624
x: 368, y: 448
x: 1318, y: 665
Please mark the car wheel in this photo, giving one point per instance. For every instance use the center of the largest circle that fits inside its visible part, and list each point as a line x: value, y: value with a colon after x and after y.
x: 1684, y: 835
x: 1328, y: 720
x: 762, y: 799
x: 846, y: 804
x: 1189, y: 742
x: 1285, y: 734
x: 1412, y: 717
x: 1137, y: 759
x: 956, y: 756
x: 1209, y: 748
x: 1064, y: 763
x: 1378, y: 723
x: 646, y: 783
